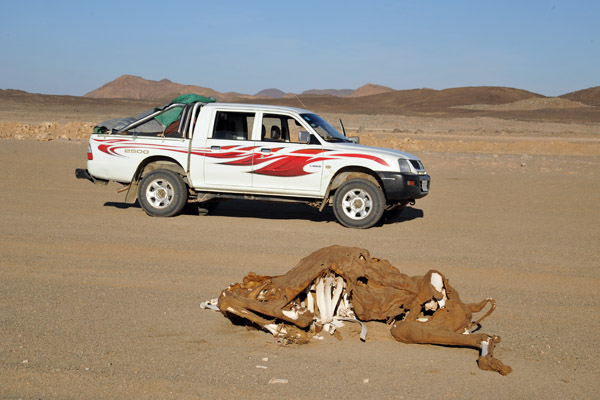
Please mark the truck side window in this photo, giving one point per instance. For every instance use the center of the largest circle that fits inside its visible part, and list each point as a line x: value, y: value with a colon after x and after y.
x: 231, y: 125
x: 273, y: 128
x: 280, y: 128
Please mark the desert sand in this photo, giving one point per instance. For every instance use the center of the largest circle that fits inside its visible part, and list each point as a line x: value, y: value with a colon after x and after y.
x: 98, y: 300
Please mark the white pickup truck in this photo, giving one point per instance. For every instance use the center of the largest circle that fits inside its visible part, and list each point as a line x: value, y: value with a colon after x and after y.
x: 217, y: 151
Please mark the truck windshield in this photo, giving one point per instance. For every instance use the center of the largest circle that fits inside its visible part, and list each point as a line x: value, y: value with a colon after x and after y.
x: 326, y: 131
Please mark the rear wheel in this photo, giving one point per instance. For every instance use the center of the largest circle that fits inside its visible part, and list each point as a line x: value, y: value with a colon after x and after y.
x: 358, y: 203
x: 162, y: 193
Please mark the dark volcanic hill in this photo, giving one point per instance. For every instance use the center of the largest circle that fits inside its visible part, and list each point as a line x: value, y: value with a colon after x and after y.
x: 444, y: 104
x: 434, y: 100
x: 271, y: 93
x: 414, y: 100
x: 590, y: 96
x: 328, y: 92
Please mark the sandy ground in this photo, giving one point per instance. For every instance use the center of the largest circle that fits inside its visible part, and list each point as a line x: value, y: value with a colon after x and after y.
x: 98, y: 300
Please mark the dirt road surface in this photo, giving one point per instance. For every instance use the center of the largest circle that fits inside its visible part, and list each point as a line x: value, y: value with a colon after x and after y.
x: 100, y: 301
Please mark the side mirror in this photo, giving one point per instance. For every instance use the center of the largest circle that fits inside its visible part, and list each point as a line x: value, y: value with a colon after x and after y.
x: 354, y: 139
x: 303, y: 137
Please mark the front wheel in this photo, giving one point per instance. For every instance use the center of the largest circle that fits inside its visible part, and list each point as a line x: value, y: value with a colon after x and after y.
x: 162, y: 193
x: 358, y: 203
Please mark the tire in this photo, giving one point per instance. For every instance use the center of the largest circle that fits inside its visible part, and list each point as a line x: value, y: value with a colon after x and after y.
x: 162, y: 193
x: 358, y: 203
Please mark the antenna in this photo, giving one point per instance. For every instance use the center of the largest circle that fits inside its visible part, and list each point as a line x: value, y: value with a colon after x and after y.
x: 300, y: 100
x: 343, y: 129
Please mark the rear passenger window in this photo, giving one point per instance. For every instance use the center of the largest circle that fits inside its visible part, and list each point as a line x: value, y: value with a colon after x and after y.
x: 230, y: 125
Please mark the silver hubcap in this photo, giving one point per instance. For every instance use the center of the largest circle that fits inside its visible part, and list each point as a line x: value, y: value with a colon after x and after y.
x: 357, y: 204
x: 159, y: 193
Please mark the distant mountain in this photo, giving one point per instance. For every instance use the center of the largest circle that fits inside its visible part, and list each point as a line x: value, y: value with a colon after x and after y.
x: 410, y: 101
x: 468, y: 102
x: 271, y: 93
x: 367, y: 98
x: 590, y: 96
x: 138, y: 88
x: 370, y: 89
x: 328, y: 92
x: 135, y: 87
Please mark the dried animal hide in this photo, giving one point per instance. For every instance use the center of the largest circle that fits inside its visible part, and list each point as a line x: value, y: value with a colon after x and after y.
x: 337, y: 283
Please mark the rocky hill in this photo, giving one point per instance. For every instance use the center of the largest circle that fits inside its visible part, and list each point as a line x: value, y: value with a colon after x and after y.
x: 135, y: 87
x: 369, y: 89
x: 138, y: 88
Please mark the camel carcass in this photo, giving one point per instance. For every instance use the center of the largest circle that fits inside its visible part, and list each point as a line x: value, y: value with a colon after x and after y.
x: 337, y: 284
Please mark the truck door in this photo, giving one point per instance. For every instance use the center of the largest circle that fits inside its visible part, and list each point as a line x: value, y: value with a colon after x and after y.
x: 281, y: 162
x: 229, y: 151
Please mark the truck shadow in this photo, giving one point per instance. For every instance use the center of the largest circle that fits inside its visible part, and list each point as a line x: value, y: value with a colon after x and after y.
x: 121, y: 206
x: 293, y: 211
x: 407, y: 214
x: 270, y: 210
x: 280, y: 211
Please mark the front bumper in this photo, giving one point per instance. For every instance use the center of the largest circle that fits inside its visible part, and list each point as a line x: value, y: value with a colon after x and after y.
x: 404, y: 186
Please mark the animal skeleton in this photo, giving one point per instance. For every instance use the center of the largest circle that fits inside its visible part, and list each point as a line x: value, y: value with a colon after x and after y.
x: 337, y: 284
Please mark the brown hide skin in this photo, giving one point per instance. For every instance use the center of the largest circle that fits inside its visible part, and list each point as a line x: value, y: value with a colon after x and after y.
x: 489, y: 363
x: 456, y: 316
x: 378, y: 291
x: 422, y: 333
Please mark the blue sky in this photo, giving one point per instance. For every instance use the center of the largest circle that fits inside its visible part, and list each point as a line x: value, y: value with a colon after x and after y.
x: 73, y: 47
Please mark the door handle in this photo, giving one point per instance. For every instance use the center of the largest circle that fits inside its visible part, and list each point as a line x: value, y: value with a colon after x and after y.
x: 265, y: 150
x: 215, y: 147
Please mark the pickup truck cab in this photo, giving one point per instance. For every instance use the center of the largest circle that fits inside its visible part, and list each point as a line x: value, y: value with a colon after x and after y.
x: 216, y: 151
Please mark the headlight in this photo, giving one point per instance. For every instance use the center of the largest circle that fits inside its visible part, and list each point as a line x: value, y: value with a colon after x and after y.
x: 404, y: 166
